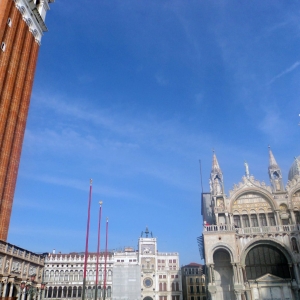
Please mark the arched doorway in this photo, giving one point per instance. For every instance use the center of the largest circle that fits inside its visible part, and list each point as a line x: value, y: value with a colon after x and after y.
x: 268, y: 273
x: 223, y: 274
x: 148, y: 298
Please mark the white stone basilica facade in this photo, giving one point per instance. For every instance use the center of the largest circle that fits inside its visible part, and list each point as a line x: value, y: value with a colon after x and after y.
x: 251, y: 238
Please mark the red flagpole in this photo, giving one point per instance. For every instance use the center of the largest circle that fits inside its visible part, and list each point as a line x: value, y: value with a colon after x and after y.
x: 105, y: 262
x: 87, y: 240
x: 98, y: 249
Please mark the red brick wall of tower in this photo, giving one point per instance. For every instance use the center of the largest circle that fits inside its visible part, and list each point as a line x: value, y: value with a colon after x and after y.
x: 17, y: 68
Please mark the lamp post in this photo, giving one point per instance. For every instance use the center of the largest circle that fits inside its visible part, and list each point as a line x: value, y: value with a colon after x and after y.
x: 27, y: 288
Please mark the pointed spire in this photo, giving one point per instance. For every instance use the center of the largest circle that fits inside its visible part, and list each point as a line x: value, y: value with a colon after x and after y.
x: 215, y: 165
x: 216, y: 177
x: 272, y: 160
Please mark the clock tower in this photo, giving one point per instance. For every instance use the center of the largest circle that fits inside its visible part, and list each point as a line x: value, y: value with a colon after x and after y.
x: 160, y: 274
x: 22, y: 24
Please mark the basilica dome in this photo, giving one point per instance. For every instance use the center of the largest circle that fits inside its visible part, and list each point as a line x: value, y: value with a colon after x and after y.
x: 295, y: 169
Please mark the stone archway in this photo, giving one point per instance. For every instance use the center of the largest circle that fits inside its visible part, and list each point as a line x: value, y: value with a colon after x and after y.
x: 268, y: 273
x: 223, y: 275
x: 147, y: 298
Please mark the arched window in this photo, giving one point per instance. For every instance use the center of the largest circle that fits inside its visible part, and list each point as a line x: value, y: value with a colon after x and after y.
x: 91, y: 277
x: 55, y: 292
x: 160, y: 286
x: 67, y: 276
x: 262, y: 220
x: 164, y: 286
x: 79, y: 292
x: 69, y: 292
x: 237, y: 221
x: 76, y: 279
x: 177, y: 286
x: 246, y: 221
x: 74, y: 295
x: 50, y: 292
x: 109, y: 291
x: 294, y: 245
x: 59, y: 292
x: 99, y: 292
x: 47, y: 275
x: 80, y: 275
x: 52, y: 276
x: 61, y: 276
x: 56, y: 276
x: 71, y: 276
x: 173, y: 286
x: 254, y: 222
x: 265, y: 259
x: 89, y: 293
x: 64, y: 292
x: 271, y: 218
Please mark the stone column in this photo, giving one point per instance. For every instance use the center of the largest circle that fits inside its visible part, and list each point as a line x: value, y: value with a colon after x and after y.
x: 4, y: 289
x: 296, y: 272
x: 278, y: 222
x: 238, y: 296
x: 11, y: 289
x: 292, y: 216
x: 227, y: 219
x: 267, y: 219
x: 234, y: 273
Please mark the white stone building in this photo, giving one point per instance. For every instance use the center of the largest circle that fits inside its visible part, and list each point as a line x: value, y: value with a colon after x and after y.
x: 131, y: 275
x: 64, y: 275
x: 251, y: 237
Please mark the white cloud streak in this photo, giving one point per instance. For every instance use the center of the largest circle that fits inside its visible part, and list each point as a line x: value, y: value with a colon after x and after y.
x: 288, y: 70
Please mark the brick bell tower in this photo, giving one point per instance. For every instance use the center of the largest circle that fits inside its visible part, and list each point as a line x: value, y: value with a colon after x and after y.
x: 22, y: 23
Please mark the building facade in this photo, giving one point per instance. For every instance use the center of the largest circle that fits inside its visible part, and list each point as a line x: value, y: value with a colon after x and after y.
x: 18, y: 266
x: 22, y: 23
x: 131, y: 274
x: 251, y: 237
x: 160, y: 271
x: 193, y: 282
x: 64, y: 275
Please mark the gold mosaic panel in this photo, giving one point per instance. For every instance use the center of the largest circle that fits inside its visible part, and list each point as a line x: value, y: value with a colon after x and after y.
x: 250, y: 202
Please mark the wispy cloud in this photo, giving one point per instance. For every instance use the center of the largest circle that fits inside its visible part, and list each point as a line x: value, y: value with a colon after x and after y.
x: 288, y: 70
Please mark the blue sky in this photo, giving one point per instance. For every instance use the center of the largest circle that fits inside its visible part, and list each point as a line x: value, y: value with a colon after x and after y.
x: 133, y: 94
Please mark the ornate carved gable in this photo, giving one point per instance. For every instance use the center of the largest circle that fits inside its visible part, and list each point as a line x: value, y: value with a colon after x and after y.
x: 268, y: 278
x: 246, y: 183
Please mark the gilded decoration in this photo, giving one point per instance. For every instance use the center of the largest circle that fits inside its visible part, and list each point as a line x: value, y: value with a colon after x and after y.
x: 251, y: 202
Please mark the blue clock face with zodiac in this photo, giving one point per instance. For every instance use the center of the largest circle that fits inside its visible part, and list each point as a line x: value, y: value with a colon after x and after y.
x: 148, y: 282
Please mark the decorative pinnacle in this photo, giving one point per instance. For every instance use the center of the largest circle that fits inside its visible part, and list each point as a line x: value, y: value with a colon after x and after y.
x: 272, y: 160
x: 100, y: 202
x: 247, y: 170
x: 91, y: 181
x: 107, y: 219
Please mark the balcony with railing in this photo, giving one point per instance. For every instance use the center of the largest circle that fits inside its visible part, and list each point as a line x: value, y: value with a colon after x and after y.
x: 251, y: 230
